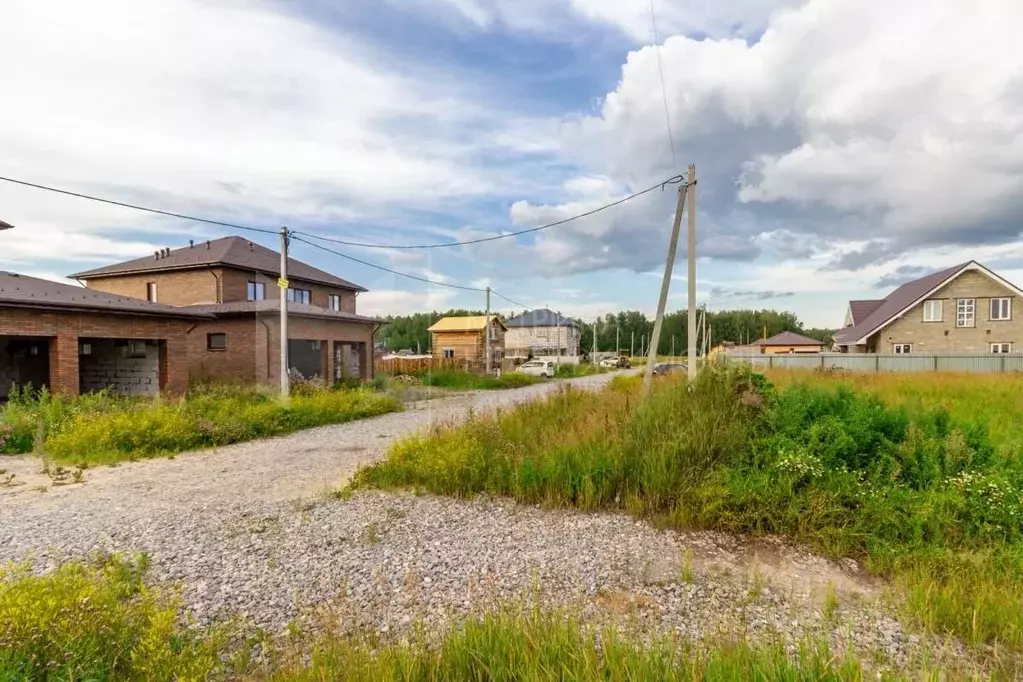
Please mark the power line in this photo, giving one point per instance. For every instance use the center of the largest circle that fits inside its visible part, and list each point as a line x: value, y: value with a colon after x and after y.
x: 499, y: 295
x: 664, y: 90
x: 135, y: 206
x: 670, y: 181
x: 385, y: 269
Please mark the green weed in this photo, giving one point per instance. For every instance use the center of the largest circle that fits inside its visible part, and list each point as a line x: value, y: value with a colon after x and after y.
x: 457, y: 379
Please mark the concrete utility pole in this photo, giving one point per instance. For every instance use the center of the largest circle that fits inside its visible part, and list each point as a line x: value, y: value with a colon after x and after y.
x: 618, y: 340
x: 672, y: 346
x: 486, y: 336
x: 632, y: 344
x: 557, y: 338
x: 665, y: 283
x: 691, y: 254
x: 282, y: 284
x: 595, y: 338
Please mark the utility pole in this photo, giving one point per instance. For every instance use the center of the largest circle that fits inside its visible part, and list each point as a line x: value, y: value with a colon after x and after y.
x: 672, y: 346
x: 595, y: 339
x: 618, y: 340
x: 665, y: 283
x: 557, y: 337
x: 632, y: 343
x: 486, y: 335
x: 704, y: 330
x: 691, y: 254
x: 282, y: 284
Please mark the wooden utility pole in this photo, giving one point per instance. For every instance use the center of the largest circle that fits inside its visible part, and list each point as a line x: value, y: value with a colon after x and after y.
x: 665, y: 283
x: 691, y: 256
x: 282, y: 284
x: 486, y: 335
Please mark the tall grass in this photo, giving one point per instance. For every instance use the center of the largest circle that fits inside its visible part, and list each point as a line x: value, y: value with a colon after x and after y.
x: 100, y: 622
x: 470, y: 381
x: 918, y: 495
x: 104, y: 429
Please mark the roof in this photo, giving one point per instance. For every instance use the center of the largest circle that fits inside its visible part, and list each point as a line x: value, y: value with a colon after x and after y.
x: 234, y: 252
x: 908, y: 295
x: 540, y: 318
x: 30, y: 292
x: 273, y: 305
x: 861, y: 310
x: 469, y: 323
x: 5, y: 225
x: 792, y: 339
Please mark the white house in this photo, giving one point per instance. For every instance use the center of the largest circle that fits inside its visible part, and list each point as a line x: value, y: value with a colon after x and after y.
x: 541, y: 332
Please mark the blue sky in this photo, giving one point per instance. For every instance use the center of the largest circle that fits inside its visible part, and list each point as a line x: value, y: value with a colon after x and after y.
x: 835, y: 156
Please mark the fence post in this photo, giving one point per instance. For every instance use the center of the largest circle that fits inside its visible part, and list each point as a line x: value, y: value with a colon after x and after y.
x: 877, y: 363
x: 822, y: 362
x: 935, y: 363
x: 1003, y: 363
x: 770, y: 362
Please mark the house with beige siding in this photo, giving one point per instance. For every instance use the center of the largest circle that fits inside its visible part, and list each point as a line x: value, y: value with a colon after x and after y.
x: 965, y: 309
x: 542, y: 332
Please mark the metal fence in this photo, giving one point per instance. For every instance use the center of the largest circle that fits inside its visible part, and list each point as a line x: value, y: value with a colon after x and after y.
x: 855, y: 362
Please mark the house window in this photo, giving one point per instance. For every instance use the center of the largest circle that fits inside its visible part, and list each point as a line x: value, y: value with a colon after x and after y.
x: 216, y: 341
x: 151, y: 292
x: 965, y: 312
x: 256, y: 291
x: 903, y: 348
x: 299, y: 296
x: 334, y: 302
x: 449, y: 353
x: 493, y: 333
x: 1001, y: 348
x: 1001, y: 308
x: 135, y: 349
x: 932, y: 311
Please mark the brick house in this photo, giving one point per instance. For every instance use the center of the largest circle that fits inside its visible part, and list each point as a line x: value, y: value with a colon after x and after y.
x: 965, y: 309
x: 787, y: 343
x: 72, y: 339
x: 541, y: 332
x: 462, y: 338
x: 230, y: 284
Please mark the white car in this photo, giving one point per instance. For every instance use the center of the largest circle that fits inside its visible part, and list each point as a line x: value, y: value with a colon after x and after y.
x: 609, y: 363
x: 539, y: 368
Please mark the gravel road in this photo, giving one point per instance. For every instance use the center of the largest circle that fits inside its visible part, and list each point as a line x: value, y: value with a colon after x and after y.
x: 247, y: 532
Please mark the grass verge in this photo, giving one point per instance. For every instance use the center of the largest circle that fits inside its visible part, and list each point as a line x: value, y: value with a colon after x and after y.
x: 104, y: 429
x: 919, y: 496
x: 470, y: 381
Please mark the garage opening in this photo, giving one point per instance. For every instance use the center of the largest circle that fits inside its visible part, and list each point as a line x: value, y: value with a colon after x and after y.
x: 349, y: 359
x: 306, y: 358
x: 125, y: 366
x: 24, y: 363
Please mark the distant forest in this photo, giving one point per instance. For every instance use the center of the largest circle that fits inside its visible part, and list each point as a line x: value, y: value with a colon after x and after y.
x: 628, y: 330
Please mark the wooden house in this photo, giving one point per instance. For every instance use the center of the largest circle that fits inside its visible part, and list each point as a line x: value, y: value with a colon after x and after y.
x: 462, y: 339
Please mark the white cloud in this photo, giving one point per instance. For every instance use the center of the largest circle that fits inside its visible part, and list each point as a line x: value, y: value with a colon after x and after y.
x: 380, y: 302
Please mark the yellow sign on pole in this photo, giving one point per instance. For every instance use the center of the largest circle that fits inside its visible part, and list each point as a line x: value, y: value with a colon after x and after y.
x: 282, y: 283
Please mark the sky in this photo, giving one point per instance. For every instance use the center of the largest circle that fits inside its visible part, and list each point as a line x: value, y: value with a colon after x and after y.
x: 841, y: 147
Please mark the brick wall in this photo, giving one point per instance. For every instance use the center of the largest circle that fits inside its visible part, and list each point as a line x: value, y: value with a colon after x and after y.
x: 944, y: 336
x: 108, y: 366
x: 68, y: 327
x: 236, y: 284
x: 520, y: 340
x: 192, y: 287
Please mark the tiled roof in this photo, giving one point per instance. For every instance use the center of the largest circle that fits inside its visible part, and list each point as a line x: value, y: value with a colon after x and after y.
x: 30, y: 292
x: 469, y: 323
x: 235, y: 252
x: 540, y: 318
x: 862, y: 309
x: 791, y: 339
x: 274, y: 306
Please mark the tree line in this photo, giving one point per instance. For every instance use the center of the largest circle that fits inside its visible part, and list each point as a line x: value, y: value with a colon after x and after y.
x: 628, y: 331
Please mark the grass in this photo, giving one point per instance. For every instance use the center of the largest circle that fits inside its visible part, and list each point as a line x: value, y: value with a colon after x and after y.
x: 921, y: 496
x: 470, y: 381
x: 99, y: 621
x: 104, y: 429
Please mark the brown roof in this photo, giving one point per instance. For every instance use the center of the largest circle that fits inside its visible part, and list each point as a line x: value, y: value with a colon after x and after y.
x: 273, y: 305
x: 21, y: 291
x: 235, y: 252
x: 894, y: 303
x: 5, y: 225
x: 792, y: 339
x: 861, y: 310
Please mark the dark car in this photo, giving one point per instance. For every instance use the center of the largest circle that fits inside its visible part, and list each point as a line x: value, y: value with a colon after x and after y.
x: 662, y: 368
x: 624, y: 362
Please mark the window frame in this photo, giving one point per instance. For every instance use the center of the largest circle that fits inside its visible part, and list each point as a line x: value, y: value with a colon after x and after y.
x: 135, y: 348
x: 448, y: 353
x: 906, y: 349
x: 961, y: 312
x: 209, y: 341
x: 252, y: 288
x: 941, y: 310
x: 334, y: 302
x: 151, y: 292
x: 1008, y: 308
x: 306, y: 295
x: 999, y: 345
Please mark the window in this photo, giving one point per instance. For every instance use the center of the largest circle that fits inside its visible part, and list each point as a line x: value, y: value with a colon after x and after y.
x: 1001, y: 347
x: 216, y: 341
x: 903, y: 348
x: 965, y: 312
x: 135, y: 349
x: 299, y: 295
x: 493, y: 333
x: 1001, y: 308
x: 151, y: 292
x: 256, y: 291
x: 932, y: 311
x: 335, y: 302
x: 449, y: 353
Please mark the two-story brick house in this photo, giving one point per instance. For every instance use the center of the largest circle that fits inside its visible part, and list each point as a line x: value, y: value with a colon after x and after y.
x: 541, y: 332
x: 232, y: 284
x: 965, y: 309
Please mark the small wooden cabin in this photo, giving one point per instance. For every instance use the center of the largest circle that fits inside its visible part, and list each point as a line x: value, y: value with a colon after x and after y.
x: 462, y: 338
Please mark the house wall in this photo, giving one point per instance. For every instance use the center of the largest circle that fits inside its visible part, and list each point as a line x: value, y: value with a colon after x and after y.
x: 520, y: 340
x: 785, y: 350
x: 65, y: 329
x: 107, y: 366
x: 191, y: 287
x: 236, y: 283
x: 944, y: 336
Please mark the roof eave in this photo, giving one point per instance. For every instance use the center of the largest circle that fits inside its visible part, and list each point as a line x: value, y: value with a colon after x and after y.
x: 64, y: 307
x: 92, y: 274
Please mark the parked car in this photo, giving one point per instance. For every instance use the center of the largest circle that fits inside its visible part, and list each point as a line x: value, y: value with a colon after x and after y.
x: 663, y: 368
x: 539, y: 368
x: 624, y: 362
x: 609, y: 363
x: 618, y: 363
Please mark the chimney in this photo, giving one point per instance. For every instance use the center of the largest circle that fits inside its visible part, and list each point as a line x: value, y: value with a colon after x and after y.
x: 191, y: 243
x: 250, y: 246
x: 156, y: 255
x: 207, y: 245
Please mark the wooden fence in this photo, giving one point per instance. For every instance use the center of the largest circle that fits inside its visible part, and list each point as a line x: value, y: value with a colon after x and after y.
x: 395, y: 366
